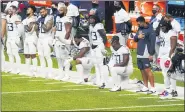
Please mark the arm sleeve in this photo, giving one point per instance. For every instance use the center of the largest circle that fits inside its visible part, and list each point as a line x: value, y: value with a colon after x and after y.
x: 152, y: 38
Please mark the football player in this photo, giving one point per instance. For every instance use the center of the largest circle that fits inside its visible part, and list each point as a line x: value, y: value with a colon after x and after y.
x: 30, y: 43
x: 98, y: 40
x: 120, y: 66
x: 13, y: 38
x: 3, y: 29
x: 45, y: 39
x: 63, y: 30
x: 83, y: 58
x: 166, y: 50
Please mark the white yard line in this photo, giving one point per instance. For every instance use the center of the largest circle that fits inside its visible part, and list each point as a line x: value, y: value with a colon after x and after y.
x: 128, y: 107
x: 7, y: 75
x: 73, y: 85
x: 105, y: 91
x: 56, y: 83
x: 147, y: 97
x: 37, y: 80
x: 21, y: 77
x: 20, y: 92
x: 128, y: 94
x: 168, y: 100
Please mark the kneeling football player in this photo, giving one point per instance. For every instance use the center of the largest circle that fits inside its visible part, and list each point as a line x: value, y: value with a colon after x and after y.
x: 83, y: 57
x: 120, y: 66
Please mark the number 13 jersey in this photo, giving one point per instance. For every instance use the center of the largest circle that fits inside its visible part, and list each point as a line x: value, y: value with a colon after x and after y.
x: 94, y: 34
x: 12, y: 29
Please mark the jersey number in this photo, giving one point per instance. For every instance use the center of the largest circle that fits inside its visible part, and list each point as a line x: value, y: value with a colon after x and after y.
x: 94, y: 36
x: 10, y: 26
x: 59, y: 26
x: 41, y: 29
x: 117, y: 58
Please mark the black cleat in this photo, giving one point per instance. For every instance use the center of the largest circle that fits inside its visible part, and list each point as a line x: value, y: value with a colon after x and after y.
x: 86, y: 80
x: 174, y: 93
x: 102, y: 86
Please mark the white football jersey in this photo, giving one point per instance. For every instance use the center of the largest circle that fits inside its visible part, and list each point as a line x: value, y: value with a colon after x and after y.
x: 12, y: 29
x: 42, y: 33
x: 94, y: 34
x: 60, y: 25
x: 117, y: 56
x: 27, y: 21
x: 85, y: 43
x: 165, y: 45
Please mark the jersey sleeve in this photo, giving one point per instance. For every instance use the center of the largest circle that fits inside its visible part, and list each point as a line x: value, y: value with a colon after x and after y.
x: 99, y: 26
x: 125, y: 50
x: 68, y: 19
x: 18, y: 18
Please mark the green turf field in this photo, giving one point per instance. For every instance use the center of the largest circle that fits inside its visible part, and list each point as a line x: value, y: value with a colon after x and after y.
x: 22, y: 93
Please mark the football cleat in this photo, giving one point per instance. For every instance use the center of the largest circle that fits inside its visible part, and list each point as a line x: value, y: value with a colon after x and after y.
x: 115, y: 88
x: 174, y: 93
x: 102, y: 86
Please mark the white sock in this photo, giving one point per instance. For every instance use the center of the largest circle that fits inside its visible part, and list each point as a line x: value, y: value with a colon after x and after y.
x: 11, y: 58
x: 173, y: 84
x: 49, y: 61
x: 17, y: 58
x: 97, y: 69
x: 34, y: 61
x: 42, y: 61
x: 60, y: 63
x: 67, y: 66
x: 28, y: 61
x: 80, y: 70
x: 104, y: 74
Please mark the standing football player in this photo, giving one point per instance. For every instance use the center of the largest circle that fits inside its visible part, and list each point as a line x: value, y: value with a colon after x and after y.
x: 83, y: 58
x: 120, y: 66
x: 13, y: 39
x: 166, y: 50
x: 98, y: 40
x: 3, y: 29
x: 30, y: 43
x: 45, y: 40
x: 63, y: 30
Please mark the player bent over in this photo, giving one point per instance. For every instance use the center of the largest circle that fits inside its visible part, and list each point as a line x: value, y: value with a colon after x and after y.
x: 30, y: 43
x: 166, y: 50
x: 63, y: 30
x: 83, y: 58
x: 120, y: 66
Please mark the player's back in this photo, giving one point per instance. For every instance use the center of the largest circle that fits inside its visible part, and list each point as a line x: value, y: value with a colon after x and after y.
x: 12, y: 29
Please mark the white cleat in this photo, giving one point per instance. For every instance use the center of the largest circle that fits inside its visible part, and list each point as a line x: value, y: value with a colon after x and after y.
x: 58, y: 78
x: 80, y: 82
x: 66, y: 78
x: 115, y: 88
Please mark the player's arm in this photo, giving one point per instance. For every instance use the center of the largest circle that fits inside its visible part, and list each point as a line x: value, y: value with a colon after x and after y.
x: 103, y: 35
x: 48, y: 26
x: 173, y: 43
x: 68, y: 28
x: 125, y: 61
x: 3, y: 27
x: 81, y: 53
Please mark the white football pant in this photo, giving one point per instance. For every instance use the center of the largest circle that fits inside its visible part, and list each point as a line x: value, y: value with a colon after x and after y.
x: 167, y: 80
